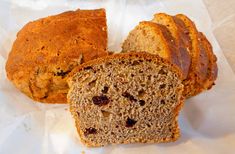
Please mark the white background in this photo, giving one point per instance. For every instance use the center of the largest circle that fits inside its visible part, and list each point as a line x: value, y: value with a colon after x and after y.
x: 207, y: 121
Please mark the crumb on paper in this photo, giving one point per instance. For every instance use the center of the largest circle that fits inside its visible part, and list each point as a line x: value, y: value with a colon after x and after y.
x: 26, y: 127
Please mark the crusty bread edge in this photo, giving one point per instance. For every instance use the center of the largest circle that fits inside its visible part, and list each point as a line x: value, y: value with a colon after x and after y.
x: 179, y: 40
x: 213, y: 68
x: 194, y: 75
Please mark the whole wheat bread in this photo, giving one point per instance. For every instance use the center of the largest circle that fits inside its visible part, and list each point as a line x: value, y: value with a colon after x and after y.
x: 176, y: 39
x: 126, y: 98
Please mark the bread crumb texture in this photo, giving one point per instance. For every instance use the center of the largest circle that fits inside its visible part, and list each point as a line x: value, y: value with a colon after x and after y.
x: 126, y: 98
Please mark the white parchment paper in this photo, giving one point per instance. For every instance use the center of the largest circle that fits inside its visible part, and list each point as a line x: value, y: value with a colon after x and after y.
x: 207, y: 121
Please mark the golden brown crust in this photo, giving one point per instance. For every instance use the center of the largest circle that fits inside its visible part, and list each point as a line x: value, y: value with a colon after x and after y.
x: 199, y: 65
x: 182, y: 41
x: 47, y: 49
x: 212, y: 66
x: 175, y: 57
x: 184, y: 45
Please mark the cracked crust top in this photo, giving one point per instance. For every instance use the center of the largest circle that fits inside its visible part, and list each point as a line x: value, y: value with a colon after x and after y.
x: 46, y: 50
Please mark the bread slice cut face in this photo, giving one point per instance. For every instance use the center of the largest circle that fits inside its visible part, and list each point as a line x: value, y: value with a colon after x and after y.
x: 132, y: 97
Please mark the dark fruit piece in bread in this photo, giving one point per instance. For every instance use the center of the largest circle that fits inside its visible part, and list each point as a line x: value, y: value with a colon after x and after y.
x: 133, y: 97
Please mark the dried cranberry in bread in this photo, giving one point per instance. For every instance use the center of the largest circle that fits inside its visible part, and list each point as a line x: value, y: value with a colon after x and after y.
x: 133, y: 97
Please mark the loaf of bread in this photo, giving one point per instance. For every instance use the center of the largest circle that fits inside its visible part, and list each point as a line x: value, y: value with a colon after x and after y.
x: 133, y: 97
x: 46, y: 50
x: 192, y: 49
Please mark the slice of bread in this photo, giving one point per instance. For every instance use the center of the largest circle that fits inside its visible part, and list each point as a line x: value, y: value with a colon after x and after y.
x: 153, y: 38
x: 47, y: 49
x: 212, y: 66
x: 182, y: 41
x: 199, y: 60
x: 133, y: 97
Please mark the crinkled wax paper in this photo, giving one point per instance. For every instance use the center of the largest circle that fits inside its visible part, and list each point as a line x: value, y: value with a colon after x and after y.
x: 207, y: 121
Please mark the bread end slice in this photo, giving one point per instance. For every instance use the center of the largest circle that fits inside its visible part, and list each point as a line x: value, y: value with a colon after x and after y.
x: 212, y: 65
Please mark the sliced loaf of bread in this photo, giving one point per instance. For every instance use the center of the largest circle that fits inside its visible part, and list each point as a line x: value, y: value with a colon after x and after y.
x: 153, y: 38
x: 176, y: 39
x: 125, y: 98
